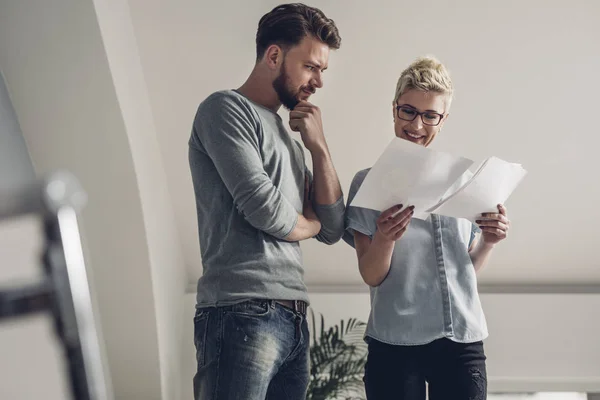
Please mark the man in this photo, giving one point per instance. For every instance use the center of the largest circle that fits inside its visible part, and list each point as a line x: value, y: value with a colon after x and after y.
x: 255, y: 201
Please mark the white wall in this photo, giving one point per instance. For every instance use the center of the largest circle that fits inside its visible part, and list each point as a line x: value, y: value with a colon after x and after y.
x: 77, y: 113
x: 168, y: 274
x: 15, y: 163
x: 537, y: 342
x: 525, y: 73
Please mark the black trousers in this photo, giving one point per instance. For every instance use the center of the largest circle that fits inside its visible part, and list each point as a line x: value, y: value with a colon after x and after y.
x: 453, y: 371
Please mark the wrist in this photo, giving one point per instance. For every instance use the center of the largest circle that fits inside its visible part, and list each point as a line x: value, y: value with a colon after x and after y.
x: 316, y: 226
x: 380, y: 240
x: 483, y: 245
x: 319, y: 150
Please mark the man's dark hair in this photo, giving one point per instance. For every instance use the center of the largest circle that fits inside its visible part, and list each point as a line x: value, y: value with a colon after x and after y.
x: 287, y: 24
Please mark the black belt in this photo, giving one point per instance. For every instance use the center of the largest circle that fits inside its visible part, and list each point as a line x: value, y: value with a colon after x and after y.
x: 297, y: 305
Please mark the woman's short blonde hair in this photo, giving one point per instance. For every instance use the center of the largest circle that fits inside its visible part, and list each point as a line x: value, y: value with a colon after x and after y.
x: 426, y: 74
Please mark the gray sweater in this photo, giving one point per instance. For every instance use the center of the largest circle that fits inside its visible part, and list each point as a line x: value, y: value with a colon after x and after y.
x: 248, y: 176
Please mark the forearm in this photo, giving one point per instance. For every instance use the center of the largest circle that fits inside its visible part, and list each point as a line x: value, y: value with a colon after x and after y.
x: 374, y: 264
x: 326, y: 183
x: 305, y: 229
x: 480, y: 254
x: 262, y: 204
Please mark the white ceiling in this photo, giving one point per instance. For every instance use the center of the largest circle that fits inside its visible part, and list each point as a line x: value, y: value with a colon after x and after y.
x: 527, y: 87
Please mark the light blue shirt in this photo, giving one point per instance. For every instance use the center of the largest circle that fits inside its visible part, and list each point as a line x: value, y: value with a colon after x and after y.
x: 430, y: 291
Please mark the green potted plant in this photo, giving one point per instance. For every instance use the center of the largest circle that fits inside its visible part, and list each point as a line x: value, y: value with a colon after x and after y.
x: 337, y: 360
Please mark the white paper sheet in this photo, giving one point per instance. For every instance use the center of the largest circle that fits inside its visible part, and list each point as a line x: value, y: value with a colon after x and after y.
x: 409, y: 174
x: 491, y: 185
x: 437, y: 182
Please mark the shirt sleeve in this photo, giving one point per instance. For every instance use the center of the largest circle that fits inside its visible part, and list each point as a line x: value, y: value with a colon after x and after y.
x: 359, y: 219
x: 226, y: 131
x: 330, y: 215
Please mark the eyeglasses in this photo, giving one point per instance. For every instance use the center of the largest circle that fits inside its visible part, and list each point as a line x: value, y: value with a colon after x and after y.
x: 408, y: 113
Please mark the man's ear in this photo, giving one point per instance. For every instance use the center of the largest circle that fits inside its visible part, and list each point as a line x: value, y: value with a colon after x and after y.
x: 273, y: 56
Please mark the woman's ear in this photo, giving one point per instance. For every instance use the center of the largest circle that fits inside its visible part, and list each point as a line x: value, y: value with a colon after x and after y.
x: 443, y: 121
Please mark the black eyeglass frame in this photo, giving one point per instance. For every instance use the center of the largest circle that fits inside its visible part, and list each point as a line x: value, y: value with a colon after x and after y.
x: 418, y: 113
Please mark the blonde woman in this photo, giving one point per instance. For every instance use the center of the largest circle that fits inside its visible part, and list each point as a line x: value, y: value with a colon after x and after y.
x: 426, y: 322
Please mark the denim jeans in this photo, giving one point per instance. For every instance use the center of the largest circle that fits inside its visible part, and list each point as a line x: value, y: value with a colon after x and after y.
x: 453, y: 371
x: 254, y: 350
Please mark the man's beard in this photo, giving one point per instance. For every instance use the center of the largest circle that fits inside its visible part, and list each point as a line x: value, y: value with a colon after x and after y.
x: 288, y: 98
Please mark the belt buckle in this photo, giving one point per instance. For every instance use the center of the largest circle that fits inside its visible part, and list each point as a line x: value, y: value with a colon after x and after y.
x: 300, y: 306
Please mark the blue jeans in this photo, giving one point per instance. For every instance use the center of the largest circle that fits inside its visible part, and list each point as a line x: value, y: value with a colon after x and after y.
x: 453, y: 370
x: 254, y: 350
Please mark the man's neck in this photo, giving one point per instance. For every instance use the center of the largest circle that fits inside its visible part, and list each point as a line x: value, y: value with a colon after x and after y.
x: 259, y: 89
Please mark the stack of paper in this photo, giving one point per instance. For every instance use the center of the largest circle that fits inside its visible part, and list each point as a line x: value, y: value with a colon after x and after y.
x: 436, y: 182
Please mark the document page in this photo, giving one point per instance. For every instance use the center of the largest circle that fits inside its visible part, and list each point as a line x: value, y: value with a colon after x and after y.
x: 409, y: 174
x: 491, y: 185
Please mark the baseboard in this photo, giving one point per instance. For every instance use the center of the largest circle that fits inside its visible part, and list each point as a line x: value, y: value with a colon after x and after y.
x: 499, y: 384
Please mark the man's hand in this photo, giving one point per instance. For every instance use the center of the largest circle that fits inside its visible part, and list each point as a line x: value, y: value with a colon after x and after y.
x: 306, y: 119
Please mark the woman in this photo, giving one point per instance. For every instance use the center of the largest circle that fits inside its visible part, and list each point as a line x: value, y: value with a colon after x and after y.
x: 426, y: 322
